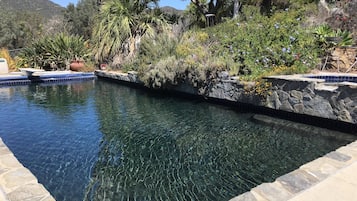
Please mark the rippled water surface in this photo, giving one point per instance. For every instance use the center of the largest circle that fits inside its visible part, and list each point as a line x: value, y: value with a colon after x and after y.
x: 101, y: 141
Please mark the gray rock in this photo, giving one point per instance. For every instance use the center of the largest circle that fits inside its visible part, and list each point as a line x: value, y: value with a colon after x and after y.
x: 283, y: 96
x: 319, y: 107
x: 273, y: 101
x: 286, y: 106
x: 296, y: 94
x: 299, y: 108
x: 344, y: 115
x: 307, y: 97
x: 294, y: 101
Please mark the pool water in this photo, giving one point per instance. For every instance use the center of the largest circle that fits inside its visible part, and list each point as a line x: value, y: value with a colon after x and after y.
x: 96, y: 140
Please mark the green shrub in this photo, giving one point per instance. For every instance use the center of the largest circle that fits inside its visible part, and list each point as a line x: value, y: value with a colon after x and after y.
x: 251, y: 47
x: 167, y: 61
x: 260, y: 43
x: 54, y: 52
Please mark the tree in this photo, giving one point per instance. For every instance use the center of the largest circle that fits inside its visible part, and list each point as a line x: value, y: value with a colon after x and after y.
x: 17, y: 29
x: 81, y: 17
x: 120, y: 26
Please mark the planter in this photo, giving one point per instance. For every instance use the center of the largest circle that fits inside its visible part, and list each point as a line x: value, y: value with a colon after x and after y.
x: 76, y: 65
x: 103, y: 66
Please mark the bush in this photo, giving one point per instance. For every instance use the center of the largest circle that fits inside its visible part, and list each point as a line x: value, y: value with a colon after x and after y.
x: 260, y: 43
x: 165, y: 62
x: 54, y: 52
x: 251, y: 47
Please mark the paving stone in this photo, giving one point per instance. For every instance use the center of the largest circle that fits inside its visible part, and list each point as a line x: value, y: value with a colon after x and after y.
x: 353, y: 145
x: 349, y: 151
x: 244, y: 197
x: 16, y: 182
x: 297, y: 181
x: 29, y: 192
x: 9, y: 161
x: 2, y: 195
x: 273, y: 191
x: 16, y: 178
x: 258, y: 197
x: 338, y: 156
x: 48, y: 198
x: 322, y: 167
x: 4, y: 151
x: 338, y: 187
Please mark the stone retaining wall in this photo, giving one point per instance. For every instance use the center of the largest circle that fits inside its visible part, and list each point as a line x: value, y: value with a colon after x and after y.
x: 337, y: 101
x: 294, y: 94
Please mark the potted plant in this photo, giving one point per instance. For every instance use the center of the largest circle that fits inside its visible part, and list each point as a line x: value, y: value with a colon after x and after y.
x: 77, y: 64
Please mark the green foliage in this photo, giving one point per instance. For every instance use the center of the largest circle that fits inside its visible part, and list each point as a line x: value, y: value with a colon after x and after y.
x: 54, y: 52
x: 80, y: 18
x: 18, y: 29
x: 260, y: 43
x: 120, y: 26
x: 164, y: 61
x: 327, y: 37
x: 152, y: 50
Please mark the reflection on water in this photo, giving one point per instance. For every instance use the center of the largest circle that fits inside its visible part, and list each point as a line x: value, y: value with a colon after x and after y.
x: 53, y: 130
x: 102, y: 141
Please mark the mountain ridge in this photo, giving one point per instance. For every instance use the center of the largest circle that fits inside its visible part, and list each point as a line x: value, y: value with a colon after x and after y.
x: 46, y: 8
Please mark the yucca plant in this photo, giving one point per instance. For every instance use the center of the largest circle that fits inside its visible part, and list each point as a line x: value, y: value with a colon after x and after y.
x: 120, y: 26
x: 55, y: 52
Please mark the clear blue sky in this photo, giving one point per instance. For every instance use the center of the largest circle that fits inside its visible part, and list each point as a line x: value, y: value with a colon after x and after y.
x: 179, y: 4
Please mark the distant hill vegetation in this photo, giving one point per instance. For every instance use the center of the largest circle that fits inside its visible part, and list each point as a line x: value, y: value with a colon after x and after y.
x: 45, y: 8
x: 171, y: 10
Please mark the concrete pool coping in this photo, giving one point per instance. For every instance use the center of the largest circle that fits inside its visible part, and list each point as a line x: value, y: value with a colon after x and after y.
x: 20, y: 78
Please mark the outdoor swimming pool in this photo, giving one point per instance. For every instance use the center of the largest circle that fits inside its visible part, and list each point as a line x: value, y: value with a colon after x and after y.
x: 96, y: 140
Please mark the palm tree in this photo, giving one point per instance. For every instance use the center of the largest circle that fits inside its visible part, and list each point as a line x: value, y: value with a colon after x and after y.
x: 120, y: 26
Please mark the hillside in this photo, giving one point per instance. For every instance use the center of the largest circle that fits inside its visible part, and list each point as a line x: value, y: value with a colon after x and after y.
x: 45, y: 7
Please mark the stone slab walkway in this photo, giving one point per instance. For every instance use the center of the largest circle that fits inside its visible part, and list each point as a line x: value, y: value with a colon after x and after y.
x: 329, y: 178
x: 17, y: 183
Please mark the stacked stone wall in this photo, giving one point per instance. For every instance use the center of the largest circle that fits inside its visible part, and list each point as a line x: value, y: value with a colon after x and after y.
x: 314, y: 97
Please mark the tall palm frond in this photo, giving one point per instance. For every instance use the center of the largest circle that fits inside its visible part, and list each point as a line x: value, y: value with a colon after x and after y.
x: 120, y: 23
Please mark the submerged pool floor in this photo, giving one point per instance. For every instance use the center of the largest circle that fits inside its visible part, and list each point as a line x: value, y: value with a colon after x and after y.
x: 96, y: 140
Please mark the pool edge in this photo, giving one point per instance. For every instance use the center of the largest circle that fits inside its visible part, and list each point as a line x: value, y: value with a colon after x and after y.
x: 311, y: 179
x: 16, y: 181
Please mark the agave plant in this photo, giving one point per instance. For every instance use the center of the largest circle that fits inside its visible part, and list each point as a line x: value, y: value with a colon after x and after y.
x: 54, y: 53
x: 328, y: 37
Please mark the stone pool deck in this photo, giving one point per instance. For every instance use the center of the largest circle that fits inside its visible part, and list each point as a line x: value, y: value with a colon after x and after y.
x: 329, y: 178
x: 17, y: 183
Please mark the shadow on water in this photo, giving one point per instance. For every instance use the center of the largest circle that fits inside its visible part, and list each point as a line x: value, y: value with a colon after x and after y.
x: 159, y: 147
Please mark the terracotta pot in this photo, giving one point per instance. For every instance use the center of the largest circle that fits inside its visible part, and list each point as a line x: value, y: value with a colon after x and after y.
x: 103, y: 66
x: 76, y: 65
